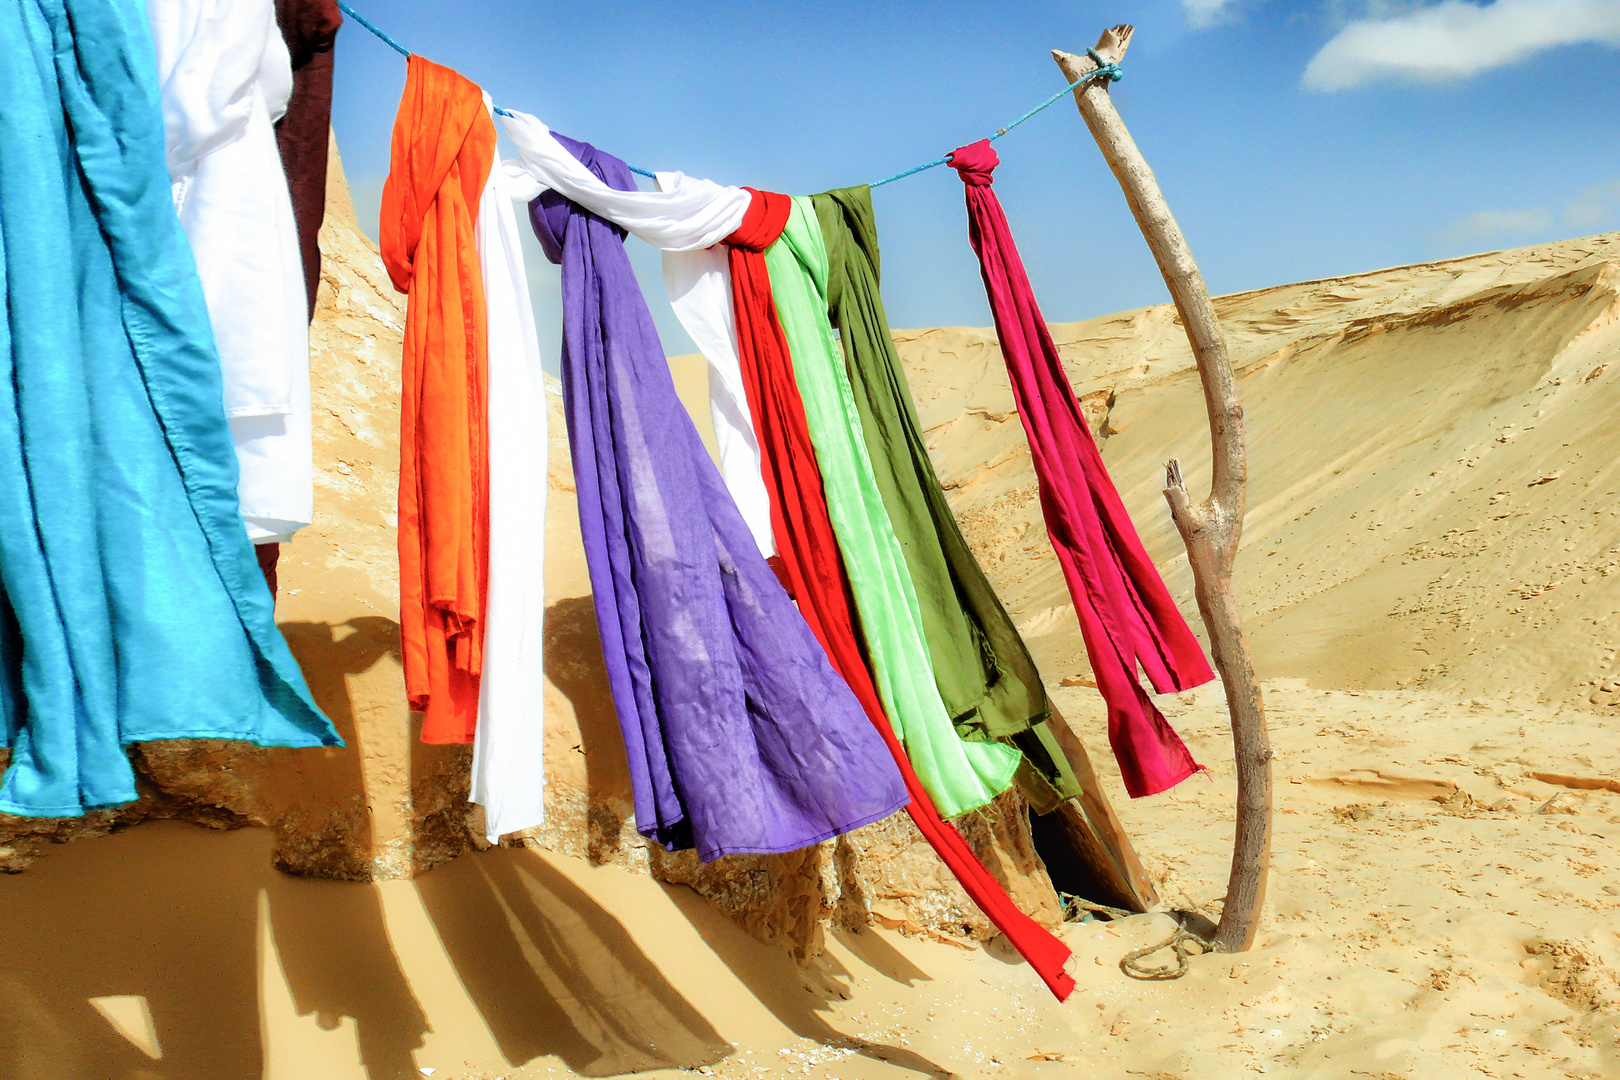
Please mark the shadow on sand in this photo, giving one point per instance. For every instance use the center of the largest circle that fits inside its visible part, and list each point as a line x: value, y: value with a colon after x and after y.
x: 777, y: 981
x: 171, y: 913
x: 553, y: 972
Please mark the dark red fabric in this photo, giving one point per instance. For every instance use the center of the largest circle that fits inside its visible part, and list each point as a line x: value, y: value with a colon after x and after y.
x: 309, y: 27
x: 1126, y: 614
x: 810, y: 565
x: 268, y: 554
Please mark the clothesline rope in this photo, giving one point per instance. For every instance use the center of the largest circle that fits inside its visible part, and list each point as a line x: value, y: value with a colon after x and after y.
x: 374, y: 28
x: 1104, y: 70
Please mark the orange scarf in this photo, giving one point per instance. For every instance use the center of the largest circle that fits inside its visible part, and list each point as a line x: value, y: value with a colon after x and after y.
x: 443, y: 149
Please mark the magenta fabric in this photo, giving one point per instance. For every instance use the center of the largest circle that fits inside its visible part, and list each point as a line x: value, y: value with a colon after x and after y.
x: 1126, y: 613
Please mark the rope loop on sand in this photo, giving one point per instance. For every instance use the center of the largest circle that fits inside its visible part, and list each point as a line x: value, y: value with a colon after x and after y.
x: 1178, y: 942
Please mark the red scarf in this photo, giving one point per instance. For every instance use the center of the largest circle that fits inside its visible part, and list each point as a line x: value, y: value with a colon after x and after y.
x: 815, y: 574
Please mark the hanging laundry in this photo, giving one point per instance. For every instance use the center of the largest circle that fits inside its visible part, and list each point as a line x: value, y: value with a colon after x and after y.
x: 816, y: 572
x: 509, y: 762
x: 131, y: 608
x: 959, y: 775
x: 443, y: 150
x: 1127, y: 616
x: 827, y: 609
x: 303, y: 134
x: 740, y: 737
x: 687, y: 212
x: 700, y: 290
x: 811, y: 566
x: 984, y: 672
x: 226, y: 77
x: 309, y: 29
x: 685, y: 219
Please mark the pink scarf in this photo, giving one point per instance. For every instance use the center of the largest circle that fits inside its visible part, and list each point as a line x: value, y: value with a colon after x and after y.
x: 1126, y: 613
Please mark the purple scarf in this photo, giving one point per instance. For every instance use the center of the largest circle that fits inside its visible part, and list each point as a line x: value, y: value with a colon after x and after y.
x: 740, y: 736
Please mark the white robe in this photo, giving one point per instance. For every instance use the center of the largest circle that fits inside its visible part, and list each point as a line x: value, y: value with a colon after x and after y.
x: 686, y: 218
x: 508, y: 768
x: 225, y: 79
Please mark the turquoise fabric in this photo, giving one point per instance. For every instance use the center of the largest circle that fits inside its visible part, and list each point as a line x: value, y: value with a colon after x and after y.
x: 131, y: 605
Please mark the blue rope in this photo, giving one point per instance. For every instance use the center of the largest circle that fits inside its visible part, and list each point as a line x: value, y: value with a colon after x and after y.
x: 369, y: 25
x: 914, y: 169
x: 1111, y: 72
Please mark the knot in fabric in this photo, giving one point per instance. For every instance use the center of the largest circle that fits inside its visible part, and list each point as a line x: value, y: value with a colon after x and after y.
x: 442, y: 127
x: 551, y: 211
x: 975, y: 161
x: 764, y: 221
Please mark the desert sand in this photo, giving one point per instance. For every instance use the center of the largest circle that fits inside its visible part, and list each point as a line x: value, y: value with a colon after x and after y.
x: 1431, y: 577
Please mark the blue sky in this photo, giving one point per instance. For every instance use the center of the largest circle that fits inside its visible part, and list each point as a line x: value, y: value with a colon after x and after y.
x: 1293, y: 140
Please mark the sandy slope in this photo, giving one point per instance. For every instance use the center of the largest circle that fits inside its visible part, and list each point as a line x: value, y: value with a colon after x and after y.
x: 1433, y: 463
x: 1432, y: 567
x: 1407, y: 937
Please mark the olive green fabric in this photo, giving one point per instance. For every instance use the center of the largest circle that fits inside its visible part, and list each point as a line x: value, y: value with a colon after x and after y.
x: 984, y: 672
x: 958, y: 775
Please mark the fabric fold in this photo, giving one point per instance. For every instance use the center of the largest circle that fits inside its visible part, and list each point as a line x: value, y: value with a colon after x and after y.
x: 1126, y: 614
x: 225, y: 77
x: 688, y: 215
x: 739, y: 735
x: 960, y: 776
x: 985, y: 675
x: 815, y: 573
x: 303, y: 134
x: 131, y: 605
x: 686, y: 218
x: 443, y: 150
x: 699, y: 287
x: 509, y: 764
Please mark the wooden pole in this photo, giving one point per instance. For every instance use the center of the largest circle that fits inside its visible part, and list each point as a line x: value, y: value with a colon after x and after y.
x: 1212, y: 528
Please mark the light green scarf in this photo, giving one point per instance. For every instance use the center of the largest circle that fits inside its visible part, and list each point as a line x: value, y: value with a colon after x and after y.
x: 958, y: 775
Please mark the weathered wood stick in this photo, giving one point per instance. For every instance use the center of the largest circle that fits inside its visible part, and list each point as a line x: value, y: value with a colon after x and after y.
x: 1212, y: 528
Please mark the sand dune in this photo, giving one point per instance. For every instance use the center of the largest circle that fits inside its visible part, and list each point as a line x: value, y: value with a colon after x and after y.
x: 1431, y: 572
x: 1433, y: 467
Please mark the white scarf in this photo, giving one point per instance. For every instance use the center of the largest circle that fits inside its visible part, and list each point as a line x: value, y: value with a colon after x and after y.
x: 508, y: 768
x: 225, y: 79
x: 686, y: 218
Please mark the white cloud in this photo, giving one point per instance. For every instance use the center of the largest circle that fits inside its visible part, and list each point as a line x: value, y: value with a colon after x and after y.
x: 1494, y: 225
x: 1202, y: 13
x: 1593, y: 207
x: 1454, y: 40
x: 1590, y: 210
